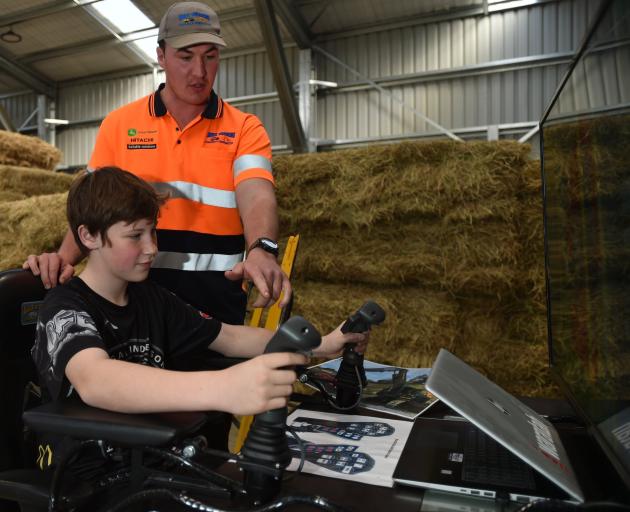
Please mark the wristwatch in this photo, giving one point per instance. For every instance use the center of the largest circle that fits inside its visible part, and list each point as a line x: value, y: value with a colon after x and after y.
x: 266, y: 244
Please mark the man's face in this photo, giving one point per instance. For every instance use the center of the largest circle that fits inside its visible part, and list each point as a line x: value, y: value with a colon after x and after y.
x: 190, y: 71
x: 131, y: 249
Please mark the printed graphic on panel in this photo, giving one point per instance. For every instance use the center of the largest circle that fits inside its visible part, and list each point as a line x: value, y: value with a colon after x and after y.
x: 354, y: 430
x: 342, y: 458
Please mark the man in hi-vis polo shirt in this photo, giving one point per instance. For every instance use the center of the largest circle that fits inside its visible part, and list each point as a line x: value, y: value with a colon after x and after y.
x: 214, y: 160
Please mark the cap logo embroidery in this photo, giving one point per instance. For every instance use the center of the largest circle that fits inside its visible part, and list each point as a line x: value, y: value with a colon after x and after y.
x: 193, y: 18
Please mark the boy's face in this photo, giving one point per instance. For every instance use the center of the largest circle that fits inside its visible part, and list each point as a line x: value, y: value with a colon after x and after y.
x: 131, y: 249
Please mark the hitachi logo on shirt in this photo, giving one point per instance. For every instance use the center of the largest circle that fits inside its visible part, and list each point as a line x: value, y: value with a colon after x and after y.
x: 622, y: 434
x: 220, y: 137
x: 139, y: 142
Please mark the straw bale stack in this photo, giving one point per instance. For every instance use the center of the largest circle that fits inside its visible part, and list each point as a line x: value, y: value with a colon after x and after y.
x: 446, y: 235
x: 27, y: 151
x: 360, y: 187
x: 33, y: 225
x: 22, y: 182
x: 419, y: 321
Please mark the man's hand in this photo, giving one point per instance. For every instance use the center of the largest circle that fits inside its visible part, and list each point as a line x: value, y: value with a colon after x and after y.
x: 51, y: 267
x: 333, y: 343
x: 261, y: 384
x: 263, y: 270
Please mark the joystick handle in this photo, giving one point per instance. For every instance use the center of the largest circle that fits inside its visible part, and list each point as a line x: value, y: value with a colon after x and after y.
x: 348, y: 389
x: 266, y: 443
x: 367, y: 315
x: 295, y: 335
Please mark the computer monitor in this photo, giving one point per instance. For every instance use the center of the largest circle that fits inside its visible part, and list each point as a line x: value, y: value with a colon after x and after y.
x: 585, y: 152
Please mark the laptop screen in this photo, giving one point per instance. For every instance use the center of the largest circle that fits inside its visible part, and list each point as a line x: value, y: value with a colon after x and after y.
x: 585, y: 149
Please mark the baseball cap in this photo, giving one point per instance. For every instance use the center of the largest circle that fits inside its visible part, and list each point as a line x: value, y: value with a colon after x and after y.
x: 188, y: 23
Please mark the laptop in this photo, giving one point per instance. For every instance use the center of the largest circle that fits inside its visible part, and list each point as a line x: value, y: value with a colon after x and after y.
x: 504, y: 449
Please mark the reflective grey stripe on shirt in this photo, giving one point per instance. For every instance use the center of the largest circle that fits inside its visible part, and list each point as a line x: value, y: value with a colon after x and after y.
x: 194, y: 261
x: 246, y: 162
x: 204, y: 195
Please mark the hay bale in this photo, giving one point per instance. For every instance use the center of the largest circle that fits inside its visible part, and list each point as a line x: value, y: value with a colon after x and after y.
x: 361, y: 187
x: 33, y: 225
x: 27, y: 151
x: 448, y: 256
x: 419, y: 322
x: 22, y: 182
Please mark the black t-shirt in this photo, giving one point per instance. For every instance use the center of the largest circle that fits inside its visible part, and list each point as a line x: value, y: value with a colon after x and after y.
x: 153, y: 329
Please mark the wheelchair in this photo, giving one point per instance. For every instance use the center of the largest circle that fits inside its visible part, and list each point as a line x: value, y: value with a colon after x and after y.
x: 164, y: 464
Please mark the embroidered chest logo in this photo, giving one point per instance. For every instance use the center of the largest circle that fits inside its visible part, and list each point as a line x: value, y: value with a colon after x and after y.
x: 220, y: 137
x: 141, y: 139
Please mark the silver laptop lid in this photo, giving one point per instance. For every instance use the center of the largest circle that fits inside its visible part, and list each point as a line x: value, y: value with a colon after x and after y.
x: 504, y: 418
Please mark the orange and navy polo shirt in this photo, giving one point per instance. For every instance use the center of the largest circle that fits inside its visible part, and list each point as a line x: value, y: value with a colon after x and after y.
x: 199, y: 228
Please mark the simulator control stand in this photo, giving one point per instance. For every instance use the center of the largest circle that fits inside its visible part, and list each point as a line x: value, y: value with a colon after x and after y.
x: 266, y: 443
x: 351, y: 374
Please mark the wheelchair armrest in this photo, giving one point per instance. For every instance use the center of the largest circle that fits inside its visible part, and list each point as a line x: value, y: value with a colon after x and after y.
x: 74, y: 418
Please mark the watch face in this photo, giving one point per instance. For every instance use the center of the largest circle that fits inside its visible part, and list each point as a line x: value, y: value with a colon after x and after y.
x: 266, y: 244
x: 269, y: 243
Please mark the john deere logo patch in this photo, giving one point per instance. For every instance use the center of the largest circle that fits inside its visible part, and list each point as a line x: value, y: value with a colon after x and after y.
x: 132, y: 132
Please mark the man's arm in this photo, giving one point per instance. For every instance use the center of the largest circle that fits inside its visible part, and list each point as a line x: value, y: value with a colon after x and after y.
x: 256, y: 201
x: 255, y: 386
x: 54, y: 267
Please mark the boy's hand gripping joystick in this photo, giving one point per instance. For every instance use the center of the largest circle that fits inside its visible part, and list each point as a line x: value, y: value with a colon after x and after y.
x: 266, y: 443
x: 351, y: 375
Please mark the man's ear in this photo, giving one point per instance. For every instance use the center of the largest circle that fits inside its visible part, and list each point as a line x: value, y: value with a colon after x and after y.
x: 88, y: 239
x: 161, y: 55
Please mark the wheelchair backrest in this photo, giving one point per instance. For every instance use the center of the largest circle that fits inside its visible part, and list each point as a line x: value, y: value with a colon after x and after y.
x: 21, y: 294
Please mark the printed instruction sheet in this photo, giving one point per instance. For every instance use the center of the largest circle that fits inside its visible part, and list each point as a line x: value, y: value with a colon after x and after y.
x: 359, y: 448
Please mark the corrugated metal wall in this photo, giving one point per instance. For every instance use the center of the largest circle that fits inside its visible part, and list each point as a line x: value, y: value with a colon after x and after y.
x: 468, y: 73
x: 20, y: 107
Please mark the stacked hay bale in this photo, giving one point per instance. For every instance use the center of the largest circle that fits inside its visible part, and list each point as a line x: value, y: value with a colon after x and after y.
x: 32, y: 198
x: 446, y: 236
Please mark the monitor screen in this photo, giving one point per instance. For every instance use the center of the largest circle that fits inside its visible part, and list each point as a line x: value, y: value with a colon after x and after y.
x: 585, y: 143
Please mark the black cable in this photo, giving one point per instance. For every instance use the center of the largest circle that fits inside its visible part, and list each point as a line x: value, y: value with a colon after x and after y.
x: 563, y: 506
x: 302, y: 453
x: 328, y: 397
x: 215, y: 478
x: 279, y: 504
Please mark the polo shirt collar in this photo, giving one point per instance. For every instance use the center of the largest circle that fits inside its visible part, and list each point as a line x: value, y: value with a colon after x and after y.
x: 213, y: 110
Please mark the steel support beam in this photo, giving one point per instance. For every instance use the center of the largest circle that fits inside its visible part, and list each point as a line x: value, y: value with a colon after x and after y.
x: 294, y: 23
x: 85, y: 46
x: 107, y: 41
x: 280, y: 71
x: 41, y: 10
x: 307, y: 99
x: 42, y: 110
x: 27, y: 76
x: 5, y: 120
x: 107, y: 25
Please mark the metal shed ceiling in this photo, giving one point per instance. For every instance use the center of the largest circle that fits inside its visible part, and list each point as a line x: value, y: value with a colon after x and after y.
x: 62, y: 40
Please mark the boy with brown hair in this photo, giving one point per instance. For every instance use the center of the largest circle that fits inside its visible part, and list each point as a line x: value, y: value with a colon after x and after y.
x: 110, y: 334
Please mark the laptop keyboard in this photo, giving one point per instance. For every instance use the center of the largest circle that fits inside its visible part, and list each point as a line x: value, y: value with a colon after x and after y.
x: 486, y: 461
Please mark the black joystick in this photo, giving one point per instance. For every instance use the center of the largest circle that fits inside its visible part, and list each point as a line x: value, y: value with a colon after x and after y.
x: 266, y: 443
x: 351, y: 374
